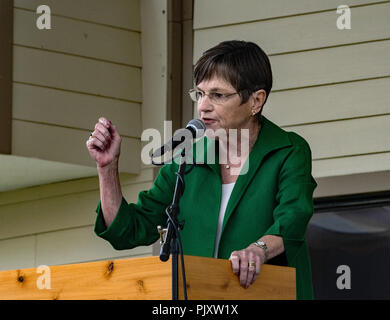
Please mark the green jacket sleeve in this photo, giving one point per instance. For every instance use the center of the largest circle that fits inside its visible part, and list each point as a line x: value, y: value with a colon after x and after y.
x: 136, y: 223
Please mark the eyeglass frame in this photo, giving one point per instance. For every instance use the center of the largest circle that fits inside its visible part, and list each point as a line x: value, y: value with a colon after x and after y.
x: 259, y: 87
x: 224, y: 95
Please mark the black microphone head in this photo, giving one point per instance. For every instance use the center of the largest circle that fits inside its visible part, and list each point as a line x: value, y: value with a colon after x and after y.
x: 197, y: 127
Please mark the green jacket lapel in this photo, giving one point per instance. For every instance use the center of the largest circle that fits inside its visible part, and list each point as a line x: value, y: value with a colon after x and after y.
x: 270, y: 138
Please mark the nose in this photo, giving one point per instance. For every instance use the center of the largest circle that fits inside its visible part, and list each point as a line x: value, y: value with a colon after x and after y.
x: 204, y: 105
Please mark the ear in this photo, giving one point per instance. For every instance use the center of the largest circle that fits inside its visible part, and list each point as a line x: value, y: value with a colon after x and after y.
x: 259, y: 97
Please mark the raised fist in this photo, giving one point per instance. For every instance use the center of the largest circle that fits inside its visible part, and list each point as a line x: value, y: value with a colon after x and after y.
x: 104, y: 143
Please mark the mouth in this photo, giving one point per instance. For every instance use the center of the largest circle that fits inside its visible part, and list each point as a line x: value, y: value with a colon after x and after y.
x: 208, y: 120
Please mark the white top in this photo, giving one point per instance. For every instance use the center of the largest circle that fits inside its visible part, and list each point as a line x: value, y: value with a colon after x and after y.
x: 226, y: 192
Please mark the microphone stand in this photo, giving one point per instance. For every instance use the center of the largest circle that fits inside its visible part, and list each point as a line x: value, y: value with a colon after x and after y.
x: 171, y: 243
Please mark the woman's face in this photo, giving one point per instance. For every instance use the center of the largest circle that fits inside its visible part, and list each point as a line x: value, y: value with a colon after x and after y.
x: 230, y: 114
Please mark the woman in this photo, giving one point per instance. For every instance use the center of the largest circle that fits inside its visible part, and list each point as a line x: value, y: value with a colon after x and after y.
x: 252, y: 218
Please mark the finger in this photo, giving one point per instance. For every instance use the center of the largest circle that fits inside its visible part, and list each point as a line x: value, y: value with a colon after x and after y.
x: 95, y: 143
x: 105, y: 126
x: 250, y: 276
x: 258, y: 267
x: 98, y: 135
x: 105, y: 122
x: 112, y: 129
x: 235, y: 260
x: 251, y: 269
x: 103, y: 130
x: 102, y: 134
x: 243, y: 268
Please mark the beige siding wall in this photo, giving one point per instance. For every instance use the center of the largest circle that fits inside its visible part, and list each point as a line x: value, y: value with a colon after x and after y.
x: 330, y: 85
x: 53, y: 224
x: 87, y: 66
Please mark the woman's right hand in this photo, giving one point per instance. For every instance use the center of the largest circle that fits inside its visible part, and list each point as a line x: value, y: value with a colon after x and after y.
x: 104, y: 143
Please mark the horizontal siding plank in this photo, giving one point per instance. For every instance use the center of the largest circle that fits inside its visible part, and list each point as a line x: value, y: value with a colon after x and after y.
x: 220, y: 12
x: 353, y: 184
x: 17, y: 253
x: 76, y: 74
x: 56, y: 248
x: 79, y: 38
x: 118, y: 13
x: 338, y: 64
x: 302, y: 32
x: 56, y: 213
x: 347, y: 137
x: 351, y: 165
x: 70, y: 187
x: 331, y: 65
x: 324, y: 103
x: 74, y: 110
x: 25, y: 172
x: 66, y: 145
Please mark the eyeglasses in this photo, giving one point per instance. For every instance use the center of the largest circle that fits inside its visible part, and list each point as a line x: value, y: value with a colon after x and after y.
x: 216, y: 97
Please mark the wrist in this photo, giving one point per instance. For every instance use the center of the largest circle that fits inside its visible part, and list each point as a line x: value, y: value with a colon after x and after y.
x: 111, y: 167
x: 261, y: 253
x: 262, y: 246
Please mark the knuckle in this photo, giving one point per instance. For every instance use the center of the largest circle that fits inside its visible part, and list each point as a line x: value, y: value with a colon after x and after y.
x: 102, y: 120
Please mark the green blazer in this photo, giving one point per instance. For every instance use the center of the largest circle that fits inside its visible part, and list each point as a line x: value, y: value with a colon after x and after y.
x: 274, y: 197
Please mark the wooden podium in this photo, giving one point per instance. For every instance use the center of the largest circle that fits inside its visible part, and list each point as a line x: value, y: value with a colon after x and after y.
x: 145, y: 279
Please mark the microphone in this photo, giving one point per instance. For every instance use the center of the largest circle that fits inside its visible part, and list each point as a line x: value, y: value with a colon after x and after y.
x: 194, y: 129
